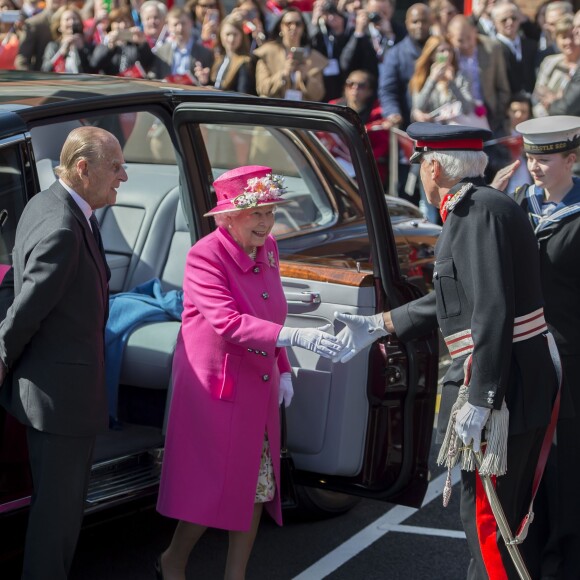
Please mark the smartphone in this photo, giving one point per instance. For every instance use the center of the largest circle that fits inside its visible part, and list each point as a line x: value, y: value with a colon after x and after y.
x: 125, y: 35
x: 77, y: 28
x: 441, y: 58
x: 213, y: 16
x: 298, y: 54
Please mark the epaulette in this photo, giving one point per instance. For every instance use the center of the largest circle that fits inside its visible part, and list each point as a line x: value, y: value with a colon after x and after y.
x: 458, y: 196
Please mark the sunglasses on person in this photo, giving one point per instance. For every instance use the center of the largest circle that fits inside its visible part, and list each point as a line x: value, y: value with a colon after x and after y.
x: 357, y: 84
x: 289, y: 23
x: 512, y: 18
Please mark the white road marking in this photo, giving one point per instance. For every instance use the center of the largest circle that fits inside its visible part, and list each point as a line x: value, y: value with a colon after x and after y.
x: 425, y: 531
x: 367, y: 536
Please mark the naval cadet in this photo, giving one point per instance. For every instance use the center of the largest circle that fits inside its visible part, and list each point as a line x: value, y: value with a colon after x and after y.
x: 552, y: 203
x: 489, y: 307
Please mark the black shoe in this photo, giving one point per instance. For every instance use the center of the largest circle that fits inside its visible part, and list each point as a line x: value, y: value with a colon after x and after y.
x: 158, y: 569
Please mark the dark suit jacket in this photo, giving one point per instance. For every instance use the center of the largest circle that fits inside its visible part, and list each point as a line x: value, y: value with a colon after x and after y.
x: 52, y: 339
x: 395, y: 74
x: 163, y: 62
x: 35, y: 37
x: 521, y: 75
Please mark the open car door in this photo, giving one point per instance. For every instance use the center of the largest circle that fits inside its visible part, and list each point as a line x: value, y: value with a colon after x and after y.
x: 362, y: 428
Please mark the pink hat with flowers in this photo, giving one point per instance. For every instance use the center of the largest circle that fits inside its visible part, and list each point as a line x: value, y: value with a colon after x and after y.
x: 247, y: 187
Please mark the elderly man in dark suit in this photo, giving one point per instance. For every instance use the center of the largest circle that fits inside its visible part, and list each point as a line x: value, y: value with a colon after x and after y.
x: 519, y: 52
x: 52, y: 342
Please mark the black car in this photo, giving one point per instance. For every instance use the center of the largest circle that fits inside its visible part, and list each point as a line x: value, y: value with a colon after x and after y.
x: 361, y: 428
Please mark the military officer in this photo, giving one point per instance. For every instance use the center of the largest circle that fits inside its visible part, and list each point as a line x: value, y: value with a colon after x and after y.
x: 552, y: 203
x: 488, y: 304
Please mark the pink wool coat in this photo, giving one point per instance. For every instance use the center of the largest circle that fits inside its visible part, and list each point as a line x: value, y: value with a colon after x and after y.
x: 226, y: 375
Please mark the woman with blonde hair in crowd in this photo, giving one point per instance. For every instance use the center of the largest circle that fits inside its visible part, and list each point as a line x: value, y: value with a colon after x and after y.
x: 69, y: 51
x: 438, y: 91
x: 287, y: 67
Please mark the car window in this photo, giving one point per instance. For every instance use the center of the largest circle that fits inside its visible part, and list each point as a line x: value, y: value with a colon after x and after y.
x: 12, y: 196
x: 322, y: 197
x: 143, y: 137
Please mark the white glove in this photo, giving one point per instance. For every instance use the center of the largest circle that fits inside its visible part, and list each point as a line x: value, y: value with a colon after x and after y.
x: 359, y: 332
x: 469, y: 424
x: 314, y: 339
x: 285, y: 392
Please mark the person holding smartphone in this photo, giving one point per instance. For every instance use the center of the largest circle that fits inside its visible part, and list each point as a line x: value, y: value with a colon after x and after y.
x: 69, y: 51
x: 125, y: 46
x: 439, y: 93
x: 287, y: 67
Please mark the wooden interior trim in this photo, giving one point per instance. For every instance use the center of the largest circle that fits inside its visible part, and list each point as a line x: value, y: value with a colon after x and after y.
x: 318, y: 273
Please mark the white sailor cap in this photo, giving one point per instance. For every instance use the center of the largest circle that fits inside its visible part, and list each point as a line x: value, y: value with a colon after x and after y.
x: 555, y: 134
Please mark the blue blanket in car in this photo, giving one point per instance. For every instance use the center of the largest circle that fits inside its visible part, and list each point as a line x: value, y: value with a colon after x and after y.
x: 127, y: 310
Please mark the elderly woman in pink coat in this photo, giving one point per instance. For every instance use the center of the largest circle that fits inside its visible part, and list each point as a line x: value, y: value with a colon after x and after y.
x: 230, y: 374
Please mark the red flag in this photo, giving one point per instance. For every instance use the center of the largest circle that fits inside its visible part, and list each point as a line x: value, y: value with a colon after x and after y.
x: 184, y: 79
x: 133, y: 72
x: 59, y: 65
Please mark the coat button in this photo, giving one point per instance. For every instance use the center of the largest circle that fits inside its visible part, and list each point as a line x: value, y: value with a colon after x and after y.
x: 256, y: 270
x: 265, y: 377
x: 265, y: 295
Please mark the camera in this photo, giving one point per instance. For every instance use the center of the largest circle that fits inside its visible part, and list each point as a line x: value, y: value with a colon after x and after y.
x: 77, y: 28
x: 125, y: 35
x: 374, y: 17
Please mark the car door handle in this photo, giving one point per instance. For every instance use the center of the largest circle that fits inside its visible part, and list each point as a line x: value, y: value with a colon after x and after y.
x: 306, y: 297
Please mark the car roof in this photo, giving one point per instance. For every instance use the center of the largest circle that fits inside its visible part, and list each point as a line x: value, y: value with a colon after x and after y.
x: 23, y: 89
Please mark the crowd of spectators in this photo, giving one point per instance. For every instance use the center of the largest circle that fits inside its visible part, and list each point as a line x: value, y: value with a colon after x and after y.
x: 437, y: 65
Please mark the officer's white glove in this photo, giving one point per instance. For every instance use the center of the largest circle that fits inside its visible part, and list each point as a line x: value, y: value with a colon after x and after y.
x: 359, y: 332
x: 314, y: 339
x: 469, y: 424
x: 286, y: 391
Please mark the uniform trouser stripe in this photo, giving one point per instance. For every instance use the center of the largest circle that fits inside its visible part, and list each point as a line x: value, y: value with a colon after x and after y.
x: 487, y: 533
x: 514, y: 492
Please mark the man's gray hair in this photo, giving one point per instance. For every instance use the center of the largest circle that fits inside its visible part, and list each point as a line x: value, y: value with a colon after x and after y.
x: 459, y: 164
x: 89, y: 143
x: 560, y: 6
x: 161, y: 8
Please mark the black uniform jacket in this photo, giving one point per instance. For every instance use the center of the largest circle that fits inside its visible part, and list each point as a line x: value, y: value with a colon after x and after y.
x: 559, y: 242
x: 487, y: 273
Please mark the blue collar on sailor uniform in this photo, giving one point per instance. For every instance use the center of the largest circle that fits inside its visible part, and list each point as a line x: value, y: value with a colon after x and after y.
x: 567, y: 207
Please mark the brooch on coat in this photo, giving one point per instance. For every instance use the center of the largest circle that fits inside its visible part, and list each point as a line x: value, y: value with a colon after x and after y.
x: 271, y: 260
x: 452, y: 199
